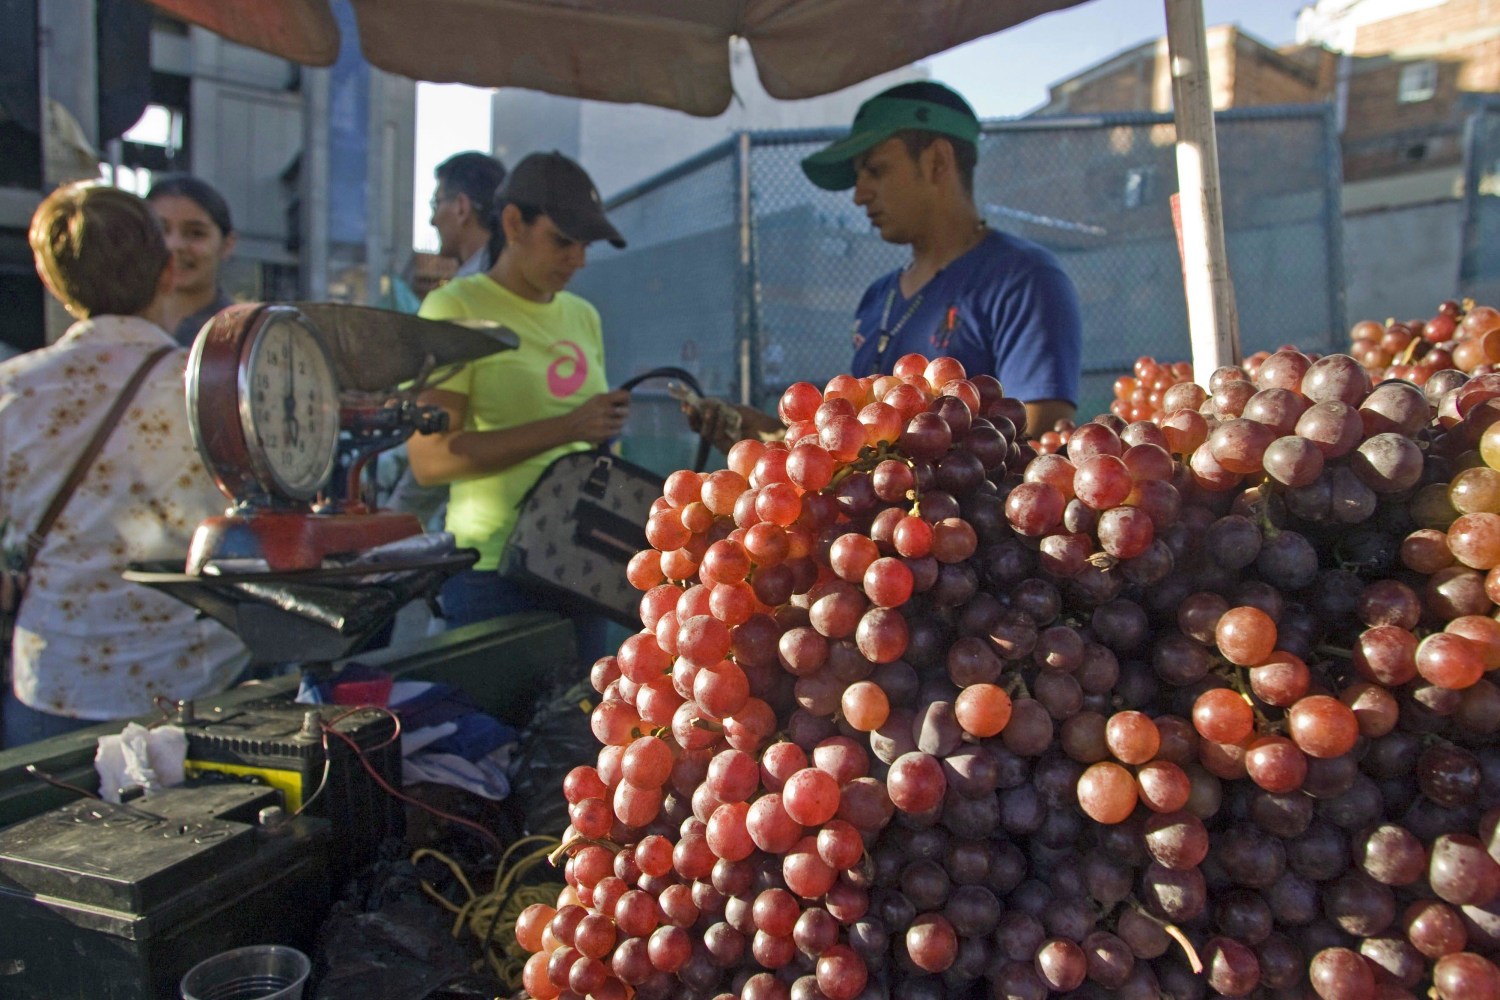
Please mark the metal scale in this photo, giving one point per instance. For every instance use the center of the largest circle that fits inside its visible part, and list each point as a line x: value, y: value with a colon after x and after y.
x: 288, y: 405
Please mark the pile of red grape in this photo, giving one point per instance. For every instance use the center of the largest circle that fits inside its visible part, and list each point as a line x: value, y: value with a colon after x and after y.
x: 1198, y: 709
x: 1460, y: 335
x: 1138, y: 396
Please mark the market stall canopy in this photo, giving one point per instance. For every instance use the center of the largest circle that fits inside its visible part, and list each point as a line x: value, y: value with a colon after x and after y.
x: 671, y: 53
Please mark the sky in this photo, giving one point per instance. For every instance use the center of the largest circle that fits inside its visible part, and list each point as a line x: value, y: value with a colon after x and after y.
x: 1002, y: 75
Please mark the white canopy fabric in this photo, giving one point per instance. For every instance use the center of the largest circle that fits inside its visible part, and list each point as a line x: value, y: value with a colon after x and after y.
x: 670, y: 53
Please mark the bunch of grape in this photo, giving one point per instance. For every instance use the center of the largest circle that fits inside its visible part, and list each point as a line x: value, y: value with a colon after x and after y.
x: 736, y: 815
x: 1198, y: 708
x: 1318, y: 480
x: 1138, y: 396
x: 1459, y: 335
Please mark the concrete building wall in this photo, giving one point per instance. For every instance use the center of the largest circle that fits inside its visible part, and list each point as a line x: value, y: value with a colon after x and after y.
x: 247, y: 126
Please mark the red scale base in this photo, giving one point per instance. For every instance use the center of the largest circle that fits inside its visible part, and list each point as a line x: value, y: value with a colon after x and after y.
x: 295, y: 540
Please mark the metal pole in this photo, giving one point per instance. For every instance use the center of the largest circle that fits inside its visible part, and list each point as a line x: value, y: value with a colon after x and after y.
x: 745, y: 322
x: 378, y: 204
x: 115, y: 151
x: 1333, y: 210
x: 1212, y: 324
x: 313, y: 182
x: 1468, y: 229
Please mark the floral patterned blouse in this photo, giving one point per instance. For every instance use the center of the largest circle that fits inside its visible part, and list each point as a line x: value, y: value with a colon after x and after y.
x: 89, y: 644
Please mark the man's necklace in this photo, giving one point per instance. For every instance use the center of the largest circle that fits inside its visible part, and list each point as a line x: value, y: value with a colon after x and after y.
x: 887, y: 332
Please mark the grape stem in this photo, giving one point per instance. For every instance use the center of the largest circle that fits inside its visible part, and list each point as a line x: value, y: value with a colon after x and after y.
x: 1103, y: 561
x: 564, y: 848
x: 1237, y: 681
x: 869, y: 457
x: 702, y: 723
x: 1404, y: 358
x: 1015, y: 686
x: 1336, y: 651
x: 1174, y: 932
x: 1262, y: 512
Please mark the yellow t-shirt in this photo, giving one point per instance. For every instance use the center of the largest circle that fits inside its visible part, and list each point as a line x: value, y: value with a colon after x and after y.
x: 559, y: 365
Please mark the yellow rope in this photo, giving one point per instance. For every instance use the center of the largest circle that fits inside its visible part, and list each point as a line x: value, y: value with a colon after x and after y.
x: 491, y: 917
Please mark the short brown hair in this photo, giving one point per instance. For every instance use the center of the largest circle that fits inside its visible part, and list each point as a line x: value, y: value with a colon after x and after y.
x: 965, y: 154
x: 100, y: 249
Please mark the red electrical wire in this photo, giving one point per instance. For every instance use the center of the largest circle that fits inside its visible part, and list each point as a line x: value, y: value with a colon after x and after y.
x: 359, y: 753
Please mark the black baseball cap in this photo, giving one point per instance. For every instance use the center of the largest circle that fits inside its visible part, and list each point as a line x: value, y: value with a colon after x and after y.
x: 923, y: 106
x: 558, y: 187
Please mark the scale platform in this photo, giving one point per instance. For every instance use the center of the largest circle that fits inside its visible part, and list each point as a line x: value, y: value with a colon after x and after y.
x: 305, y: 615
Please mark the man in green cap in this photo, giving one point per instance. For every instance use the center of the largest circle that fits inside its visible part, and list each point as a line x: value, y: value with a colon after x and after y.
x: 999, y: 304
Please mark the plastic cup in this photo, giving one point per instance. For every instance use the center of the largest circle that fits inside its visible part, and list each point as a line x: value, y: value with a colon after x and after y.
x: 259, y: 972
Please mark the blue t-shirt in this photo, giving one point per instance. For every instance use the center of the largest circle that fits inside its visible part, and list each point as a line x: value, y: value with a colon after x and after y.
x: 1005, y: 309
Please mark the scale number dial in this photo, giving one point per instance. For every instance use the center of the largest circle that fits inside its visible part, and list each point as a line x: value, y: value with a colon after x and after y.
x: 263, y: 395
x: 290, y: 405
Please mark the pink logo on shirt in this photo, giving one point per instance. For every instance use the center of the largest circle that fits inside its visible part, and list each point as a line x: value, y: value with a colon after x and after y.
x: 566, y: 375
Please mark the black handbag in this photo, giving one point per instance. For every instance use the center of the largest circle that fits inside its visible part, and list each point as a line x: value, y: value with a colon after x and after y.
x: 580, y: 524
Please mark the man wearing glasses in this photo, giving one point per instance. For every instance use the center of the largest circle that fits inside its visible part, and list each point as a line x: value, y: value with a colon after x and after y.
x: 462, y: 207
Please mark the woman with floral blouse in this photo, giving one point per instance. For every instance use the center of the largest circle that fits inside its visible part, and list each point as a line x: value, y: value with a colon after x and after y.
x: 88, y: 645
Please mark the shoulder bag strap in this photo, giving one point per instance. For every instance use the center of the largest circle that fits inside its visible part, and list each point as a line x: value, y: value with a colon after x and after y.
x: 35, y: 538
x: 686, y: 378
x: 667, y: 371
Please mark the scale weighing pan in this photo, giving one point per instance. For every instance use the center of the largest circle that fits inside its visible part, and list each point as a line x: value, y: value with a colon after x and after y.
x: 304, y: 615
x: 376, y: 350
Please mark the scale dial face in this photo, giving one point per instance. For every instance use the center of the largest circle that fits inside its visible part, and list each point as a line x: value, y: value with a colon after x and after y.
x: 289, y: 404
x: 264, y: 400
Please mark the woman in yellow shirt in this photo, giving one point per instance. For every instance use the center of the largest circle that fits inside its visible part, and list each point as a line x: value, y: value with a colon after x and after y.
x: 512, y: 413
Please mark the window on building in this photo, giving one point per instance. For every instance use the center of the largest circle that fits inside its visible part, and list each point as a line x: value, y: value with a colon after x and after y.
x: 1418, y: 82
x: 158, y: 126
x: 153, y: 145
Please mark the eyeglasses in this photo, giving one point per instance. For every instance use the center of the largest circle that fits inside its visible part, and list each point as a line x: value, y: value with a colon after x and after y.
x: 438, y: 199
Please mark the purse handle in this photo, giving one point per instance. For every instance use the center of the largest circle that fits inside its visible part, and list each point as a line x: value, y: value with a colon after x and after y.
x: 686, y: 378
x: 666, y: 371
x: 36, y: 537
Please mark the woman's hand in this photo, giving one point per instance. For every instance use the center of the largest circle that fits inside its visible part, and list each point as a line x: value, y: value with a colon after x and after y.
x: 601, y: 417
x: 455, y: 454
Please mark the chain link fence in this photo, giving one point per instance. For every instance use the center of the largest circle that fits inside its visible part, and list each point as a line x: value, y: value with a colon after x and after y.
x: 1479, y: 266
x: 742, y: 271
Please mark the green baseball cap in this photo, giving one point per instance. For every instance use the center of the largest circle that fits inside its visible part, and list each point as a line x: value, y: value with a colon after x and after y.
x: 900, y: 109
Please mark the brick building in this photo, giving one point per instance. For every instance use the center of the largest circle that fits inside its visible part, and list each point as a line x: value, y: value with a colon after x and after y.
x: 1243, y: 72
x: 1410, y: 82
x: 1407, y: 69
x: 1400, y: 72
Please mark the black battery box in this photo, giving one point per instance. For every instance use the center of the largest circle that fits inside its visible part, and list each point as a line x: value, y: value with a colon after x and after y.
x: 281, y: 744
x: 117, y: 902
